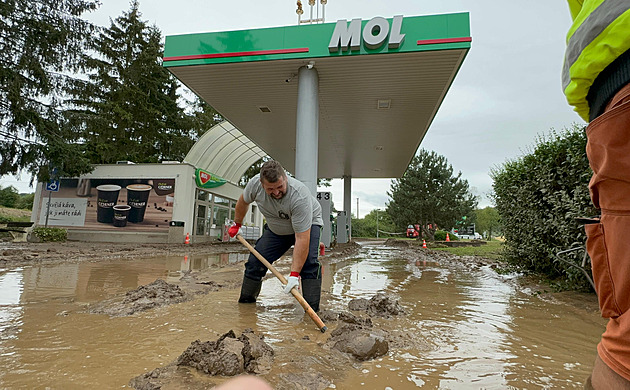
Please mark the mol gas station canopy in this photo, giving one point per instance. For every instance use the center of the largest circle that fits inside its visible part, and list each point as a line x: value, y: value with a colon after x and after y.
x: 379, y: 84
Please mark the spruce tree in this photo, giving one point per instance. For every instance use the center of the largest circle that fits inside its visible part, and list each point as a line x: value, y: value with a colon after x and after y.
x: 130, y: 108
x: 41, y: 43
x: 429, y: 194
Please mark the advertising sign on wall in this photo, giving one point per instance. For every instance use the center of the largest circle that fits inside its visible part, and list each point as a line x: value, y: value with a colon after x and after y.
x: 110, y: 204
x: 206, y: 179
x: 63, y: 211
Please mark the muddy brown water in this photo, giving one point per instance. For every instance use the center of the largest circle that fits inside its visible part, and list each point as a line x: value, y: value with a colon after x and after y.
x: 466, y: 327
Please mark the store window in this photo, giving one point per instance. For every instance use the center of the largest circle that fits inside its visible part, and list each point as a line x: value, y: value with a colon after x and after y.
x: 201, y: 220
x: 221, y: 214
x: 211, y: 212
x: 202, y: 195
x: 221, y: 201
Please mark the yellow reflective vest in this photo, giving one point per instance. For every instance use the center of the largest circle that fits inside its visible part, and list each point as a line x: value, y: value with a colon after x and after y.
x: 599, y: 35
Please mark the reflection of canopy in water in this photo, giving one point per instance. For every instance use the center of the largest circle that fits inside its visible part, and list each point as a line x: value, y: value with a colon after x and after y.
x: 224, y: 151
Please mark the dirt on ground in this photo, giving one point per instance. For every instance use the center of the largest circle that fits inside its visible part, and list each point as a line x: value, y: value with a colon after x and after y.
x: 355, y: 338
x: 29, y: 253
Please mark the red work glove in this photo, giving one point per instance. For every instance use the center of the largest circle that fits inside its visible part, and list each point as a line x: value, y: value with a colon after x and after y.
x: 234, y: 229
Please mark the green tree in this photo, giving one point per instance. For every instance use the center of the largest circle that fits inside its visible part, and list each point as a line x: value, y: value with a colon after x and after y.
x: 255, y: 169
x: 252, y: 171
x: 41, y: 43
x: 25, y: 202
x: 129, y: 109
x: 488, y: 221
x: 366, y: 227
x: 8, y: 196
x: 429, y: 194
x: 203, y: 116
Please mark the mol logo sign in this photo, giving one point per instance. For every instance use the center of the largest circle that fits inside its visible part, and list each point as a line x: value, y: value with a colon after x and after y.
x: 374, y: 34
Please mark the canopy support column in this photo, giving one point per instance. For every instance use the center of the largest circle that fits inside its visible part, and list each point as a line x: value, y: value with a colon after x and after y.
x: 347, y: 202
x: 307, y: 128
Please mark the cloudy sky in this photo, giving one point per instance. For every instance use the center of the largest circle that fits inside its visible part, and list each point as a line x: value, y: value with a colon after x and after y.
x: 506, y: 93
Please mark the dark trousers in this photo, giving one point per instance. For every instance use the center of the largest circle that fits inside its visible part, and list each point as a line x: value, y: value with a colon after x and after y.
x: 272, y: 246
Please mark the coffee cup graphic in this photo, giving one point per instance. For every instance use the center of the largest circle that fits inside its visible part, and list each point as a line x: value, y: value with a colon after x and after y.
x: 121, y: 212
x: 107, y: 198
x: 137, y: 197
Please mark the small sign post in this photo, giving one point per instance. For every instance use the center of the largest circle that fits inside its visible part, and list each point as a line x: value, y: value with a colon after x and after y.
x: 51, y: 186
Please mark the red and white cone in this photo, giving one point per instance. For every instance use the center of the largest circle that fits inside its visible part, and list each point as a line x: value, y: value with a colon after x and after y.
x: 424, y: 244
x: 447, y: 238
x: 187, y: 240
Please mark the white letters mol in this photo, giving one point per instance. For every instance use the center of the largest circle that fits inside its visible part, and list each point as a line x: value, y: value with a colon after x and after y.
x: 374, y: 34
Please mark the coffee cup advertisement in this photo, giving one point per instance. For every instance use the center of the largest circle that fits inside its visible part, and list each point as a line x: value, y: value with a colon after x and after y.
x: 107, y: 199
x: 121, y: 212
x: 112, y: 204
x: 137, y: 197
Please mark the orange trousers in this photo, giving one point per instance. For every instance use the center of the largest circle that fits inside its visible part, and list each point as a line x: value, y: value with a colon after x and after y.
x: 608, y: 243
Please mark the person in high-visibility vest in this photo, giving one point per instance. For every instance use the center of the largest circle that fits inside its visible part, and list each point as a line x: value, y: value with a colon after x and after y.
x: 596, y: 82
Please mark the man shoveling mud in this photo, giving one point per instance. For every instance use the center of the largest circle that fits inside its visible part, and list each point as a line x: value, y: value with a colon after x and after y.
x: 294, y: 217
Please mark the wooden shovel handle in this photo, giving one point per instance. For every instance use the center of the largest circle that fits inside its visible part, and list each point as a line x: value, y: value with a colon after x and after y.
x: 307, y: 308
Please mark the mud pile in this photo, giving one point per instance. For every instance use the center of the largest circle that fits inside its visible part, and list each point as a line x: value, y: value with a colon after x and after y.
x: 380, y: 305
x: 357, y: 336
x: 343, y: 250
x: 158, y: 293
x: 229, y: 355
x: 396, y: 242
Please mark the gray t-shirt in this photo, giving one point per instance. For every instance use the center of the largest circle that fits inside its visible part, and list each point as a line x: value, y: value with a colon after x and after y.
x: 294, y: 213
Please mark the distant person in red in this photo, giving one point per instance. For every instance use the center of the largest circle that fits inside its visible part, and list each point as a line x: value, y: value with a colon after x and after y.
x: 294, y: 217
x: 596, y: 81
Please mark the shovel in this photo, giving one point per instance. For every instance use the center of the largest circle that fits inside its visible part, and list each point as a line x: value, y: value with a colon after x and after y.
x: 307, y: 308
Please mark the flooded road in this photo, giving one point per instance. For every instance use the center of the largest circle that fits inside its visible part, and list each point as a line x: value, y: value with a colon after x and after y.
x: 466, y: 328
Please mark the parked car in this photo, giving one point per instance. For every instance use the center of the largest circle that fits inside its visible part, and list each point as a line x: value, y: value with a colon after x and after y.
x: 475, y: 236
x: 412, y: 232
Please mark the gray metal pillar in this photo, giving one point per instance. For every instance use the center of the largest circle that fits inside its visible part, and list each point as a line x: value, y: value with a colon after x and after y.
x: 307, y: 127
x: 347, y: 200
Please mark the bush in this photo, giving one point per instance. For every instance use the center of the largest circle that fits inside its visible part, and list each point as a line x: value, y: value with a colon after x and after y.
x: 25, y: 202
x: 8, y: 196
x: 538, y: 196
x: 50, y: 234
x: 440, y: 235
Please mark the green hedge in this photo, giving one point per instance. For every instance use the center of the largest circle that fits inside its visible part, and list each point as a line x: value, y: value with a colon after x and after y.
x: 538, y: 196
x: 440, y: 235
x: 50, y: 234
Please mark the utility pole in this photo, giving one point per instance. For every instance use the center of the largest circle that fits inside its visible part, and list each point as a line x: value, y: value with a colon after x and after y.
x: 357, y: 208
x: 376, y: 223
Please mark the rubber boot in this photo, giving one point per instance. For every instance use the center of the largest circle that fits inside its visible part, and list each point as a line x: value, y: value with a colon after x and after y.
x: 311, y: 291
x: 249, y: 290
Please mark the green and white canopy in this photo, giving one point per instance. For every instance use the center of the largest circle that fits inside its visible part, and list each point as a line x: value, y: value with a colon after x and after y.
x: 377, y: 97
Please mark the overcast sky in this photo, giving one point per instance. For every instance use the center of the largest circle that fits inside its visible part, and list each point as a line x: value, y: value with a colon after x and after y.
x: 506, y: 93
